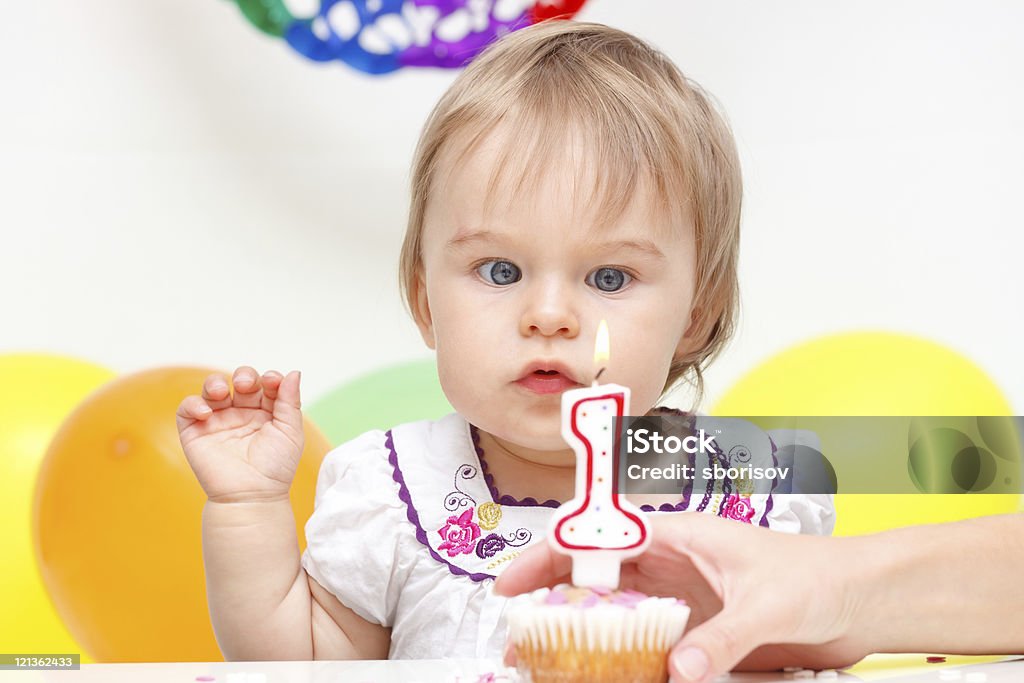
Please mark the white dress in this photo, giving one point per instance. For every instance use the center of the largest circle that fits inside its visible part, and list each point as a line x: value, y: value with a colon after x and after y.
x: 409, y: 532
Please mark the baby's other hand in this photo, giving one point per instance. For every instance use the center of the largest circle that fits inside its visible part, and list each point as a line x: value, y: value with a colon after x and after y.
x: 244, y: 446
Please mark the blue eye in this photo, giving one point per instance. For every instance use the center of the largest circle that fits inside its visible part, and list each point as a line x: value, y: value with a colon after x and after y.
x: 500, y: 272
x: 609, y: 279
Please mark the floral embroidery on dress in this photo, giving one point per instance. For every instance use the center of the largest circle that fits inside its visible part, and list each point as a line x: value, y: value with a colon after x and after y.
x: 460, y: 534
x: 458, y: 498
x: 739, y: 508
x: 493, y: 544
x: 490, y: 546
x: 489, y: 516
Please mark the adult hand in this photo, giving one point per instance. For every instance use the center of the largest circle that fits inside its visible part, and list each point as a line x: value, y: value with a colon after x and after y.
x: 760, y: 599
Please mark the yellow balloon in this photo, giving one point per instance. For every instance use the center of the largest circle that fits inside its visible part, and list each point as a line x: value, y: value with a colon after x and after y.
x: 38, y: 393
x: 876, y: 373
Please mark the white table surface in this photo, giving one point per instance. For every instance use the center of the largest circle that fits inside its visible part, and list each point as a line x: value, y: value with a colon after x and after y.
x: 902, y: 668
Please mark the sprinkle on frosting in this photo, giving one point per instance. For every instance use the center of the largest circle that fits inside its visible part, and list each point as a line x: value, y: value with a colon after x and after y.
x: 556, y: 598
x: 587, y: 598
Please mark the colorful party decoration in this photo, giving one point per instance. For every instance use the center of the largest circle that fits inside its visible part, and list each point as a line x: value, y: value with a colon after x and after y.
x: 117, y: 521
x: 381, y: 399
x: 39, y: 391
x: 382, y: 36
x: 878, y: 373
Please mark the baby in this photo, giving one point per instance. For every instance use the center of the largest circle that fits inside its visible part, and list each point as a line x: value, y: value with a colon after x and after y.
x: 569, y: 175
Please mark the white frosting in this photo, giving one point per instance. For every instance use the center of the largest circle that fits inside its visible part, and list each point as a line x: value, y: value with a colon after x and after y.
x: 652, y: 623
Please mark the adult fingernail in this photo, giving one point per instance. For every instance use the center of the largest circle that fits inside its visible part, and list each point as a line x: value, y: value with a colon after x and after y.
x: 691, y: 664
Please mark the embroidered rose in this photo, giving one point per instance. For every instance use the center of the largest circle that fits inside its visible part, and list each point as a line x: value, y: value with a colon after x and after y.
x: 490, y: 546
x: 460, y: 534
x: 489, y: 515
x: 738, y: 507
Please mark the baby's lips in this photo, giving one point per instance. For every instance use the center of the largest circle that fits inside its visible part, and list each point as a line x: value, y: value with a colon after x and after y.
x: 548, y: 366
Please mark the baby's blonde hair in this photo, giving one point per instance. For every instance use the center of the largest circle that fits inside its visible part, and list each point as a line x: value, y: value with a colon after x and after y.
x: 644, y: 126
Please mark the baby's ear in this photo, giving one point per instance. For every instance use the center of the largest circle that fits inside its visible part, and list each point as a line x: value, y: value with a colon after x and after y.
x: 421, y: 310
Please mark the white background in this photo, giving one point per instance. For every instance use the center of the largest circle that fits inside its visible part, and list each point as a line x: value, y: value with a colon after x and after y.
x: 177, y: 188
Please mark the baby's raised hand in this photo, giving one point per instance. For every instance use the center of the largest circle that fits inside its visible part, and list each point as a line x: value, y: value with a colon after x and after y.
x: 246, y: 446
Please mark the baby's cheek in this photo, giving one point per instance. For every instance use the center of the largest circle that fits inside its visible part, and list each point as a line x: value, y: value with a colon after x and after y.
x: 645, y: 373
x: 444, y: 375
x: 643, y: 398
x: 455, y: 372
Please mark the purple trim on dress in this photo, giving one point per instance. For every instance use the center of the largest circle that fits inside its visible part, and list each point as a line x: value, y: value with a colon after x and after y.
x: 496, y: 495
x: 410, y: 511
x: 504, y: 499
x: 666, y: 507
x: 768, y: 505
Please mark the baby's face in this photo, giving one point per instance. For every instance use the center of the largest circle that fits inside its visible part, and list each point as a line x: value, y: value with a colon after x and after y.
x: 526, y: 287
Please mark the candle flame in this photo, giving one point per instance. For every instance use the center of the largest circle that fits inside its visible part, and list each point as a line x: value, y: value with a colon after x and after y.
x: 601, y: 346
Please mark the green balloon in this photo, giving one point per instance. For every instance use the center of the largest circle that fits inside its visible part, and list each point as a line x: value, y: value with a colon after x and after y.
x: 269, y: 16
x: 380, y: 400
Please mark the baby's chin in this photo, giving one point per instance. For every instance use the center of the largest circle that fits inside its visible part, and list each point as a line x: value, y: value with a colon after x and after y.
x: 535, y: 433
x: 553, y: 443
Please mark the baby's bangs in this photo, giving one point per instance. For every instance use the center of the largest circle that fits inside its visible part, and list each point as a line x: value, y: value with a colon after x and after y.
x: 601, y: 127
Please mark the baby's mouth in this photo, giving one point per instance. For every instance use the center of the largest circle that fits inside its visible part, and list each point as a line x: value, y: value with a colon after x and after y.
x: 546, y: 382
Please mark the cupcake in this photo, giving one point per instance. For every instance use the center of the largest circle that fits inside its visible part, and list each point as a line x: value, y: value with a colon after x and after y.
x: 570, y: 634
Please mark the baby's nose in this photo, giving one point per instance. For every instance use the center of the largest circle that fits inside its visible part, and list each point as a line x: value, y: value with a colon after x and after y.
x: 549, y: 312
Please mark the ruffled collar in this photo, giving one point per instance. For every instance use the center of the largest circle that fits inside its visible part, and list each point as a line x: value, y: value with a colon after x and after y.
x: 467, y: 524
x: 453, y: 503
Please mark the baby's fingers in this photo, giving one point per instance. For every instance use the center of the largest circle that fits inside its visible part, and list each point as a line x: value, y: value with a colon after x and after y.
x: 248, y: 390
x: 271, y: 382
x: 216, y: 392
x: 287, y: 413
x: 191, y: 409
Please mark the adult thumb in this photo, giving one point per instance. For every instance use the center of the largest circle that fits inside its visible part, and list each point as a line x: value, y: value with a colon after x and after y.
x: 712, y: 648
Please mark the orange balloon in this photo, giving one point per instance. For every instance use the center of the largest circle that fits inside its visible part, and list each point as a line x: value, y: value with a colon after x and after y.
x: 117, y: 522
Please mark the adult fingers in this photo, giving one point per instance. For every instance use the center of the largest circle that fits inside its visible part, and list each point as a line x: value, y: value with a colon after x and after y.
x: 509, y: 657
x: 539, y: 566
x: 715, y: 646
x: 715, y: 547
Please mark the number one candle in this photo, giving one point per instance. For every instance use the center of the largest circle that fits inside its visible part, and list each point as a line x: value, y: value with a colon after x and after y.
x: 598, y: 528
